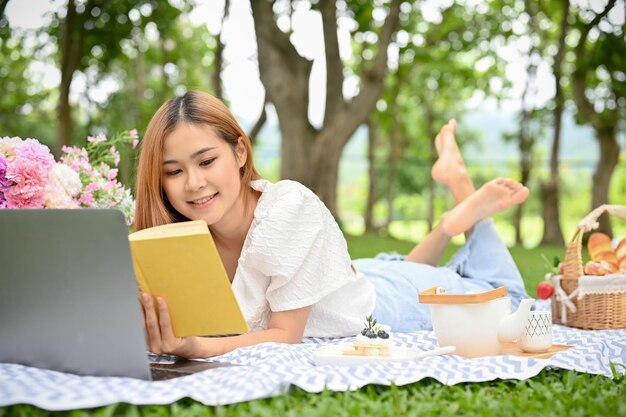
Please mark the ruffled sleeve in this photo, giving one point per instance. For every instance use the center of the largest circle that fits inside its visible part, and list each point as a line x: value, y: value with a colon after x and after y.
x: 297, y: 244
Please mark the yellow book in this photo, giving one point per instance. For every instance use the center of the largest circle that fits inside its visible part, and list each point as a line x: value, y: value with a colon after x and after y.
x: 180, y: 263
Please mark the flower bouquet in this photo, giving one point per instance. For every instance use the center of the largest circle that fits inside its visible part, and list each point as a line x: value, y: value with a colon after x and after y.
x: 84, y: 177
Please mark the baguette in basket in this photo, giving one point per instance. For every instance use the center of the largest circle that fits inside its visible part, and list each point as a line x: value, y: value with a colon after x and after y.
x: 592, y: 302
x: 620, y: 251
x: 603, y: 257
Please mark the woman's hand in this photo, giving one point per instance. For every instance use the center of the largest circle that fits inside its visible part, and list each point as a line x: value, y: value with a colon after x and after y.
x: 160, y: 334
x: 284, y: 327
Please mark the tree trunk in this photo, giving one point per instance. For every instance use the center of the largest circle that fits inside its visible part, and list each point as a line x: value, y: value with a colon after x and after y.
x: 603, y: 123
x: 394, y: 157
x: 256, y: 129
x: 216, y: 76
x: 64, y: 132
x: 308, y: 154
x: 609, y: 157
x: 326, y: 170
x: 3, y: 5
x: 70, y: 48
x: 552, y: 233
x: 372, y: 190
x: 526, y: 138
x: 140, y: 87
x: 517, y: 216
x: 525, y: 148
x: 430, y: 131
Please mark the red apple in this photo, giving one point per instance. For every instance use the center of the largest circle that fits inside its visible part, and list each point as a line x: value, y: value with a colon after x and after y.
x: 545, y: 290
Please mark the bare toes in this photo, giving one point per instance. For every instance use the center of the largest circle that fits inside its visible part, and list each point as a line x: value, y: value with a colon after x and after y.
x: 438, y: 144
x: 520, y: 195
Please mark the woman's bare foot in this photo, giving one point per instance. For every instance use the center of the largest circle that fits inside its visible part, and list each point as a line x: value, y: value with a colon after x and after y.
x: 493, y: 197
x: 450, y: 169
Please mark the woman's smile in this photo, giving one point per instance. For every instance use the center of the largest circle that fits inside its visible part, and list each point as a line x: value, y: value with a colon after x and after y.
x: 204, y: 202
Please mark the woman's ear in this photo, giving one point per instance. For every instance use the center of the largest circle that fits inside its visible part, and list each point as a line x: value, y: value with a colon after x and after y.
x: 242, y: 154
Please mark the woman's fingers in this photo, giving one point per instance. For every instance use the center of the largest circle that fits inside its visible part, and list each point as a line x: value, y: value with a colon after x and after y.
x: 159, y: 332
x: 165, y: 325
x: 143, y: 319
x: 152, y: 324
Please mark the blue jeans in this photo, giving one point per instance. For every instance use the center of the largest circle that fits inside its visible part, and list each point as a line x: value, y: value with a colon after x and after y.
x: 481, y: 264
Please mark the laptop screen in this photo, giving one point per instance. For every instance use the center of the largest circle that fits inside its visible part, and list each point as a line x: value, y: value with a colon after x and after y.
x: 68, y: 297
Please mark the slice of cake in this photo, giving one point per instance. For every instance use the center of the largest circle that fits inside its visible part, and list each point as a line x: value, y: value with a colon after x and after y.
x: 374, y: 340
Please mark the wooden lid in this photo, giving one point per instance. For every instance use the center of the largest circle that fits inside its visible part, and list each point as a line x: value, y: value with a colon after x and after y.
x: 430, y: 296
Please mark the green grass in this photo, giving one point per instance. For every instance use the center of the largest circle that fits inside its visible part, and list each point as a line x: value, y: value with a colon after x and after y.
x: 551, y: 393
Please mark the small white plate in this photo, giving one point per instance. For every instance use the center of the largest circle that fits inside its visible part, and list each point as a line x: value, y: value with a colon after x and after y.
x: 337, y: 355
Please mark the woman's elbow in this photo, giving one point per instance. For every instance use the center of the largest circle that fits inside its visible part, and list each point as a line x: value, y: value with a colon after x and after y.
x: 294, y: 339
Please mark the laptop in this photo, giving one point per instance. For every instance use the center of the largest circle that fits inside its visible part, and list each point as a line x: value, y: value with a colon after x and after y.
x: 68, y: 296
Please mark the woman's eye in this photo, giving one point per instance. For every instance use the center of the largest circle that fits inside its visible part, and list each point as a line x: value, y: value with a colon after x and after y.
x: 173, y: 172
x: 207, y: 162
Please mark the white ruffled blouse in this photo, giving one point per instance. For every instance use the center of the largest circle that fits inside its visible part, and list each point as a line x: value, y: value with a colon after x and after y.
x: 294, y: 256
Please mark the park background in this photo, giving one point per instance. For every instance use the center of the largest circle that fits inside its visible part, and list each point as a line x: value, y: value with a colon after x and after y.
x: 351, y: 115
x: 347, y: 97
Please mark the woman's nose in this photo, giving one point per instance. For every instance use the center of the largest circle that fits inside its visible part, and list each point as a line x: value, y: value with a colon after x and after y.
x: 195, y: 180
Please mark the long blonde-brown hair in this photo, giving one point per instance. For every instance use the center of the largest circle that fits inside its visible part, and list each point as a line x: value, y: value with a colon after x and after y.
x: 196, y: 107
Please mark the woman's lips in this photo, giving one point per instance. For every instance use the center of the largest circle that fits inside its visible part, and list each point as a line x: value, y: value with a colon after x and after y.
x: 204, y: 201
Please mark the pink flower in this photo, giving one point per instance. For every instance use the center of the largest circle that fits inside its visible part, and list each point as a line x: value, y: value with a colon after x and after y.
x: 4, y: 183
x: 30, y: 177
x: 116, y: 155
x: 29, y: 183
x: 87, y: 199
x: 99, y: 138
x: 34, y: 151
x: 112, y: 175
x: 135, y: 143
x: 90, y: 188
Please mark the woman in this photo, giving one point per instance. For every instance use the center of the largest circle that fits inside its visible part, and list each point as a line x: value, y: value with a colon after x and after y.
x: 283, y: 251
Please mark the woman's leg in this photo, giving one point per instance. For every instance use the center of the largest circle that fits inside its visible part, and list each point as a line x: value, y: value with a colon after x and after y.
x: 493, y: 197
x: 472, y: 206
x: 485, y: 261
x: 430, y: 250
x: 450, y: 171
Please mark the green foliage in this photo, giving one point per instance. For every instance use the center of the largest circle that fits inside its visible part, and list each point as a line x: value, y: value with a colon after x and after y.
x: 151, y: 54
x: 24, y: 108
x: 447, y: 53
x: 600, y: 62
x: 104, y: 24
x: 436, y: 75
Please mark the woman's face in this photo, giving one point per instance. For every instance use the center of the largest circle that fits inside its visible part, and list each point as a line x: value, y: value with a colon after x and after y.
x: 200, y: 173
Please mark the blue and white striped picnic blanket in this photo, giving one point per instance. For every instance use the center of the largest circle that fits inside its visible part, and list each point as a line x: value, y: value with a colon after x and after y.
x: 270, y: 369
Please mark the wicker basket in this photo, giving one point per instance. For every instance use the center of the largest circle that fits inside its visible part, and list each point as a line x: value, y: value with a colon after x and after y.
x: 590, y: 311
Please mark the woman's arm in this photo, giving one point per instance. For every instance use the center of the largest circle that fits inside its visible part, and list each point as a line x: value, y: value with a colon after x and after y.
x: 284, y: 326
